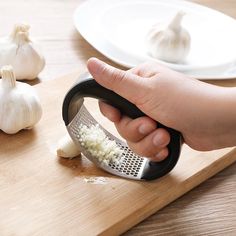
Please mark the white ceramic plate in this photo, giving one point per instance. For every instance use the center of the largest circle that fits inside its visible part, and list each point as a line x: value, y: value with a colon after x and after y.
x: 117, y: 28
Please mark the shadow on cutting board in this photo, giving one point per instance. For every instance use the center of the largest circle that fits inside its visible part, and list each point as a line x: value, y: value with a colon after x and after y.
x: 80, y: 166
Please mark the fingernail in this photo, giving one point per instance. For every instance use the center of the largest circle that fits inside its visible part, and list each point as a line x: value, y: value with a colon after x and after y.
x: 144, y: 129
x: 158, y: 140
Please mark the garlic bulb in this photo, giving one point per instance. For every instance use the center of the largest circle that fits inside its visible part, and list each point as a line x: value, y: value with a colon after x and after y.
x: 22, y: 53
x: 172, y: 43
x: 66, y: 148
x: 19, y: 104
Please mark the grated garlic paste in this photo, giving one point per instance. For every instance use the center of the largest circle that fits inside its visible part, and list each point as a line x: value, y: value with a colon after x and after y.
x: 95, y: 141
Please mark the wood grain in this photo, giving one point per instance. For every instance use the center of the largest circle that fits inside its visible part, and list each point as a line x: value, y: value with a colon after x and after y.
x: 207, y: 210
x: 43, y: 195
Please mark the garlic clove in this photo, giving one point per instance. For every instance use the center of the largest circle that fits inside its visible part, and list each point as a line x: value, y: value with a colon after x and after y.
x: 66, y: 148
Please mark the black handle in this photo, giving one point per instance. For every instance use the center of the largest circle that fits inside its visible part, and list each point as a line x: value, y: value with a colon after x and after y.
x: 90, y: 88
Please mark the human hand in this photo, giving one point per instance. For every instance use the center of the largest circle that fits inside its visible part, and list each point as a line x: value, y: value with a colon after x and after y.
x: 171, y: 98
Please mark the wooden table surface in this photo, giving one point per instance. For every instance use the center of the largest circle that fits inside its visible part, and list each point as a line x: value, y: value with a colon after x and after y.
x: 209, y: 209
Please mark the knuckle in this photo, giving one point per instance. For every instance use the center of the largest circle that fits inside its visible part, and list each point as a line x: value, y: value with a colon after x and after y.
x: 104, y: 70
x: 126, y: 134
x: 141, y: 149
x: 118, y: 76
x: 128, y: 130
x: 123, y: 125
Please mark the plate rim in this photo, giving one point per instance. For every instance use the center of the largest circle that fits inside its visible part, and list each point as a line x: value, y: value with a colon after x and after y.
x: 86, y: 4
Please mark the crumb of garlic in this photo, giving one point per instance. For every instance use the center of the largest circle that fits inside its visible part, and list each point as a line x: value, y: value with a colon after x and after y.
x: 96, y: 180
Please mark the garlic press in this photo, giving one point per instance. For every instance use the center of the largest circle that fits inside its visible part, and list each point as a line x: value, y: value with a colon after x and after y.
x: 131, y: 166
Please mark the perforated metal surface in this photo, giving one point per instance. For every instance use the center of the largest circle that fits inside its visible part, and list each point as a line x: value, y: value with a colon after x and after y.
x: 130, y: 165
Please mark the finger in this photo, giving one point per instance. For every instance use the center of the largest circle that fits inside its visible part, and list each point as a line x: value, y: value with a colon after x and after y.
x: 133, y: 130
x: 109, y: 112
x: 148, y: 69
x: 124, y: 83
x: 144, y: 70
x: 152, y: 144
x: 161, y: 155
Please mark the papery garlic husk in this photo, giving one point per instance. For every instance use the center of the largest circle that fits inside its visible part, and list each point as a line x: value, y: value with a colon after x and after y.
x: 22, y: 53
x: 19, y: 104
x: 66, y: 148
x: 171, y: 43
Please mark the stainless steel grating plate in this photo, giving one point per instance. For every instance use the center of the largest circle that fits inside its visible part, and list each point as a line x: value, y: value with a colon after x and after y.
x: 130, y: 165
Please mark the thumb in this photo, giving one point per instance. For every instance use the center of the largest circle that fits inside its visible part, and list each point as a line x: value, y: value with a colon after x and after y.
x: 124, y: 83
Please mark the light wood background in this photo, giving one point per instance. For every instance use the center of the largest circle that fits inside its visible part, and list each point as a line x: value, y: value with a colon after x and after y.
x: 209, y: 209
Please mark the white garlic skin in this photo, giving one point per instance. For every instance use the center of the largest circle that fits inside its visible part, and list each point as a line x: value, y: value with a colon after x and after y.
x: 22, y: 53
x: 171, y: 43
x: 19, y: 104
x: 66, y: 148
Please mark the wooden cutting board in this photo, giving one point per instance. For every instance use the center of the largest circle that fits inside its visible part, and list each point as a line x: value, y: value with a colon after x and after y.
x: 42, y: 194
